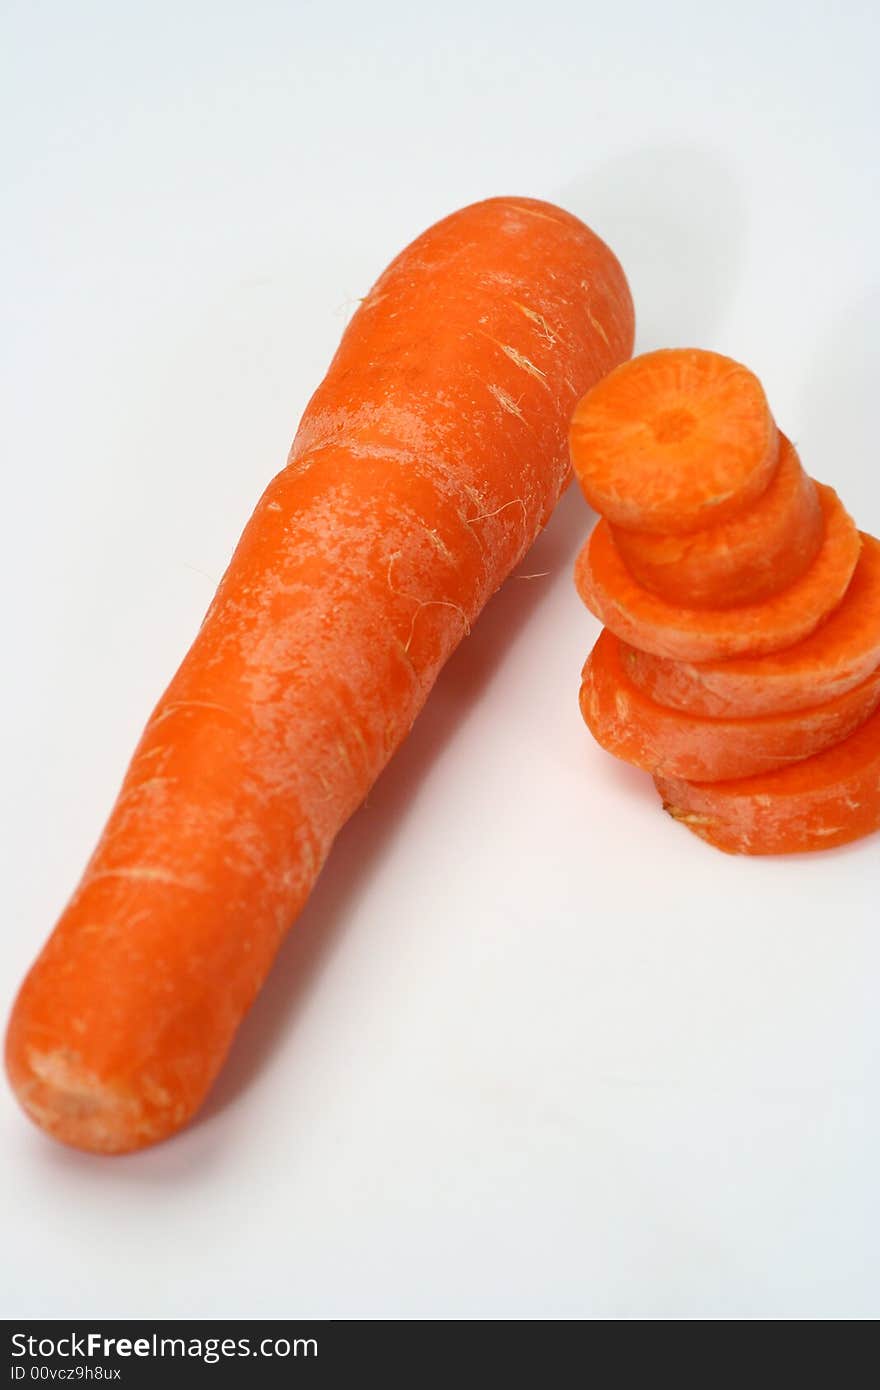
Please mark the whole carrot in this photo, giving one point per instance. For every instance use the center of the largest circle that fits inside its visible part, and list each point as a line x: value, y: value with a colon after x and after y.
x: 425, y: 465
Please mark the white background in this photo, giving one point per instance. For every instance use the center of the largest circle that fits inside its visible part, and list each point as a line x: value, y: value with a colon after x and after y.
x: 532, y: 1050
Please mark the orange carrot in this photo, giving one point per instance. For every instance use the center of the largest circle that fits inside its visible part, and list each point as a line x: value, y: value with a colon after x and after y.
x: 827, y: 800
x: 426, y: 463
x: 643, y: 620
x: 632, y: 726
x: 758, y: 553
x: 674, y: 441
x: 839, y: 655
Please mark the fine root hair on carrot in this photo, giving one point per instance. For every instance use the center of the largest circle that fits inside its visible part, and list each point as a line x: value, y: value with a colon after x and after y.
x: 486, y: 516
x: 424, y: 603
x: 549, y: 336
x: 507, y: 402
x: 520, y: 360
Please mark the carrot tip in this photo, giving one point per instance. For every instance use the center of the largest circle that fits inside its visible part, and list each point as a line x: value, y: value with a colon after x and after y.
x: 79, y: 1109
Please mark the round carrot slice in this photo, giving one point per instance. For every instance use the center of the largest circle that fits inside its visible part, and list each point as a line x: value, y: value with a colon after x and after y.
x: 837, y: 656
x: 674, y: 441
x: 823, y: 801
x: 757, y: 553
x: 711, y: 634
x: 632, y: 726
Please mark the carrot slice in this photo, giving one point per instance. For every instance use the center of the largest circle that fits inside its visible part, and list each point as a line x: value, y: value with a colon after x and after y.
x: 674, y: 441
x: 837, y: 656
x: 756, y: 554
x: 632, y: 726
x: 823, y: 801
x: 711, y: 634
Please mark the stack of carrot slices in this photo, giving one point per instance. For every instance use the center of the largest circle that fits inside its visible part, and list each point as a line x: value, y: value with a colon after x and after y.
x: 740, y: 662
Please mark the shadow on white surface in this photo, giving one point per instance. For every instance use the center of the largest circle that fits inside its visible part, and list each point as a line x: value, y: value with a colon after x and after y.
x: 835, y: 407
x: 675, y: 215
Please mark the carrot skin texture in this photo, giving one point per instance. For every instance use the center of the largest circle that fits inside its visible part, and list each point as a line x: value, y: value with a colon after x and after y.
x: 630, y: 725
x: 425, y: 465
x: 825, y: 801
